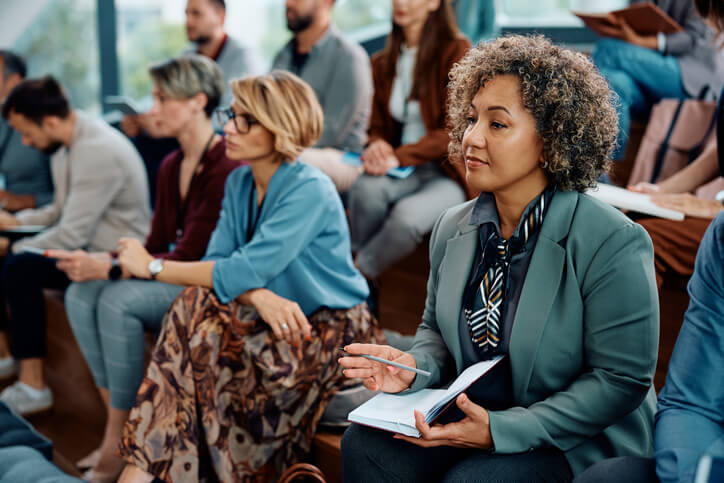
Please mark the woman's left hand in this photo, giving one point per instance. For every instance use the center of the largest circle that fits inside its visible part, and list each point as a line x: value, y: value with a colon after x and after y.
x: 688, y: 204
x: 284, y: 317
x: 134, y: 258
x: 471, y: 432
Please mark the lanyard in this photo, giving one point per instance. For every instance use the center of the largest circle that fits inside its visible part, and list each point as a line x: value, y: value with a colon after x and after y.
x: 181, y: 205
x: 251, y: 228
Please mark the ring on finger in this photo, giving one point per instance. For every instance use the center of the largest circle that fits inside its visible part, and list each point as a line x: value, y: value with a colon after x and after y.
x: 285, y: 326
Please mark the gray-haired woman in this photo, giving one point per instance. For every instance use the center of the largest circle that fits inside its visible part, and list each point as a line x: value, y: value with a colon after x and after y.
x: 109, y: 316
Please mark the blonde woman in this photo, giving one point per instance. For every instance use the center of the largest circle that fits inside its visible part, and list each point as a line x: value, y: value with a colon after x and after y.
x: 245, y: 361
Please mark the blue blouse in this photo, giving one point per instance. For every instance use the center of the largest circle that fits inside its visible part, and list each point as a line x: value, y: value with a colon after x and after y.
x: 300, y: 247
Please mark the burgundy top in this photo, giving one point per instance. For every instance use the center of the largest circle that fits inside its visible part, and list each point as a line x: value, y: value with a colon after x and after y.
x: 200, y: 212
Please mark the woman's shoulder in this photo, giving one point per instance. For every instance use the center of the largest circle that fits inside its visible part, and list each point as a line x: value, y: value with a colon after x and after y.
x: 314, y: 183
x: 594, y: 222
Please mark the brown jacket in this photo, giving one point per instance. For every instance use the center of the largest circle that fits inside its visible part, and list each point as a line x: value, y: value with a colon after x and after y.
x: 433, y: 145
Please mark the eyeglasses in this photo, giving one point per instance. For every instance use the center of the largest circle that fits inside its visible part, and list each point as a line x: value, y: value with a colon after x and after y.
x: 242, y: 122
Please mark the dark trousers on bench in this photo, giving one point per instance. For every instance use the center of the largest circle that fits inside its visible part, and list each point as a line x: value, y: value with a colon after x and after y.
x: 24, y: 276
x: 373, y: 455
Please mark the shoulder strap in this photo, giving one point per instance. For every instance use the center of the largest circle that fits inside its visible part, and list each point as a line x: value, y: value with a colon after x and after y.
x: 664, y: 146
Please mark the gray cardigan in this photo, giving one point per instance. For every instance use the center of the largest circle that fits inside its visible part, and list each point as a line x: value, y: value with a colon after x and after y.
x: 101, y: 192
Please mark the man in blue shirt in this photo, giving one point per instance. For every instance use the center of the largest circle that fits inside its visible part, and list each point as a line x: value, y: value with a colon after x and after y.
x: 25, y: 180
x: 690, y: 417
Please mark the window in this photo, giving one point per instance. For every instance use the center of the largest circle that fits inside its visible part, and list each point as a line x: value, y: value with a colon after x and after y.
x: 61, y: 39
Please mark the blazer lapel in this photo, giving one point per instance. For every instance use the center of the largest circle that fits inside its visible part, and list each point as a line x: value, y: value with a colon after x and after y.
x: 455, y: 267
x: 540, y: 288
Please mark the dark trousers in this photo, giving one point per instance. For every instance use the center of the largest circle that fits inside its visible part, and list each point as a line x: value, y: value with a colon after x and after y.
x: 624, y: 469
x: 24, y: 276
x: 373, y: 455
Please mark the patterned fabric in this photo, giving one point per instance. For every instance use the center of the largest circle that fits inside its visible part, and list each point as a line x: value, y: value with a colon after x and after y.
x: 483, y: 316
x: 223, y: 398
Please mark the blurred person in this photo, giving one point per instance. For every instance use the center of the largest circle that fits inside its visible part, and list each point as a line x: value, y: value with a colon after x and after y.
x: 389, y: 217
x: 338, y: 70
x: 205, y: 29
x: 101, y: 195
x: 25, y: 171
x: 108, y: 311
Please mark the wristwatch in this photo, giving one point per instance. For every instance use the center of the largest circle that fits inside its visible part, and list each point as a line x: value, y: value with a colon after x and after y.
x: 116, y: 271
x: 155, y: 266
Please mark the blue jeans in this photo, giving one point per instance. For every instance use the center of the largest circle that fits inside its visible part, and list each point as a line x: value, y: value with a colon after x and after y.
x: 640, y: 77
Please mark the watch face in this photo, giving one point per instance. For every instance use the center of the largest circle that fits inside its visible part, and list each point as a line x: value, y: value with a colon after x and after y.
x: 155, y: 266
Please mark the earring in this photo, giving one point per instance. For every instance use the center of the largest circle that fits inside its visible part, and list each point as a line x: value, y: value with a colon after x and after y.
x: 543, y: 165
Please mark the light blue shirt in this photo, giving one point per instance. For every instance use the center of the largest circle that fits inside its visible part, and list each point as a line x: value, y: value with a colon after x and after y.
x: 690, y: 419
x: 300, y: 248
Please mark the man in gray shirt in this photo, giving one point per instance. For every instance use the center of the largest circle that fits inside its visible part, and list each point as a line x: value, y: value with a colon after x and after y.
x: 101, y: 196
x: 339, y: 72
x: 24, y: 170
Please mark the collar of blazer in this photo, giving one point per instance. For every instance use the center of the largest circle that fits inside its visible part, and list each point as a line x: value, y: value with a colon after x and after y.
x: 539, y: 290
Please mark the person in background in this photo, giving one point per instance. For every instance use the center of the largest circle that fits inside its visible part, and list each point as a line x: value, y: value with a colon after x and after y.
x: 25, y: 171
x: 338, y: 70
x: 101, y: 195
x: 205, y: 30
x: 557, y: 283
x: 643, y: 69
x: 108, y: 311
x: 246, y: 358
x: 676, y: 242
x: 390, y: 216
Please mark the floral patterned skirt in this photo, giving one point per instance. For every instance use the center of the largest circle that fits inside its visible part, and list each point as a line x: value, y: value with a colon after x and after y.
x: 224, y: 398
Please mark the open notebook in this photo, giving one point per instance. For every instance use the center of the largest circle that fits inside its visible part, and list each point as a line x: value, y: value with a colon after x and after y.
x: 394, y: 412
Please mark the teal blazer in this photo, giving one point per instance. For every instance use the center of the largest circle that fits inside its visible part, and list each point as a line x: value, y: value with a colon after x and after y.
x: 584, y: 342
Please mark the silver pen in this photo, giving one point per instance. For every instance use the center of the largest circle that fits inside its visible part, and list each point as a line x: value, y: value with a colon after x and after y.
x: 389, y: 363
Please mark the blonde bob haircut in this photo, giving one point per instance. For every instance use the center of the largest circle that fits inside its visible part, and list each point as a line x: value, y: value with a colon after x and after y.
x: 285, y: 105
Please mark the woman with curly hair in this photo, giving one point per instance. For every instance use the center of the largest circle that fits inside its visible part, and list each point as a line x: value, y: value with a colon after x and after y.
x: 559, y: 284
x: 389, y: 216
x: 245, y: 365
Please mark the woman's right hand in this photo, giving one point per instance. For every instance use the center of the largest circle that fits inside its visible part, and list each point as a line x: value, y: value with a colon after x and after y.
x: 379, y: 157
x: 378, y: 376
